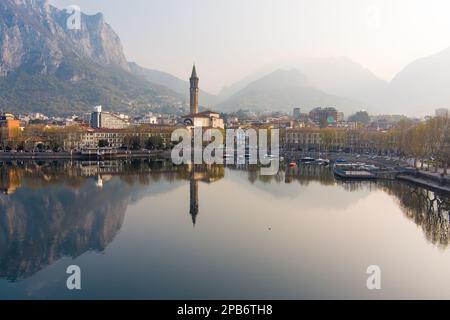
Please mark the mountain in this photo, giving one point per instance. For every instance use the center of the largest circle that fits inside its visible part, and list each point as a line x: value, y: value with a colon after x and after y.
x: 46, y: 67
x: 281, y: 90
x: 233, y: 88
x: 336, y: 76
x: 417, y: 90
x: 423, y: 85
x: 176, y: 84
x: 343, y: 77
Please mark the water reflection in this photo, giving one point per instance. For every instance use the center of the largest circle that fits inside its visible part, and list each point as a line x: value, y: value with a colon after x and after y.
x: 53, y: 209
x: 427, y: 209
x: 205, y: 173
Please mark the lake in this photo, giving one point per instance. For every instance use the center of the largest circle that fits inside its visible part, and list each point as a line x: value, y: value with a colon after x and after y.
x: 152, y: 230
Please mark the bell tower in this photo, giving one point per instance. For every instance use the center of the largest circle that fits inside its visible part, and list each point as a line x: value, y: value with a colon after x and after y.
x: 194, y: 91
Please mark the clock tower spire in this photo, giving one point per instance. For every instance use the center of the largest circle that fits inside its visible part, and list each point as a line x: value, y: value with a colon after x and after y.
x: 194, y: 91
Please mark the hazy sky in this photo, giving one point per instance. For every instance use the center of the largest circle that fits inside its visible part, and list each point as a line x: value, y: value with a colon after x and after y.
x: 229, y: 39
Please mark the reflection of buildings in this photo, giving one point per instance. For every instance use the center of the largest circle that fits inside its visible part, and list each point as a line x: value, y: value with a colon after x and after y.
x: 10, y: 180
x: 205, y: 173
x: 194, y: 200
x: 306, y: 174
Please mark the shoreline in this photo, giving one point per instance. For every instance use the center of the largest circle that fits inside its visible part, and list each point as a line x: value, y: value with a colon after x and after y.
x: 400, y: 169
x: 422, y: 178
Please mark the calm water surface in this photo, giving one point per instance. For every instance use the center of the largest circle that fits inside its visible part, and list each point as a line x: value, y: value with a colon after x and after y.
x: 151, y: 230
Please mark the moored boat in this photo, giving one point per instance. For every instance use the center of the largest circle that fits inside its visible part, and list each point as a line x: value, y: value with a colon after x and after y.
x: 322, y: 161
x: 353, y: 171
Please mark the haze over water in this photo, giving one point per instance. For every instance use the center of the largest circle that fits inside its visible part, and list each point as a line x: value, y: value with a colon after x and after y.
x: 299, y: 234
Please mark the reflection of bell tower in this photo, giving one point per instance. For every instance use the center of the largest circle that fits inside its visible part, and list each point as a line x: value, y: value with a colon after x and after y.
x: 194, y: 198
x: 194, y: 91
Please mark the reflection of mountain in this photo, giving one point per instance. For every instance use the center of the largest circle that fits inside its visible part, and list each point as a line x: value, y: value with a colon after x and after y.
x: 38, y: 227
x: 57, y: 212
x: 60, y: 209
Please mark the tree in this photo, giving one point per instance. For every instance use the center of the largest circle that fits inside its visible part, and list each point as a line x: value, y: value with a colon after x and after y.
x: 327, y: 138
x: 154, y: 142
x: 103, y: 143
x: 132, y: 142
x: 360, y: 117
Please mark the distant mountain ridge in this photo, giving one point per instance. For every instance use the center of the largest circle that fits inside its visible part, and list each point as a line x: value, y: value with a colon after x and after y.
x: 419, y: 89
x: 422, y: 84
x: 282, y: 90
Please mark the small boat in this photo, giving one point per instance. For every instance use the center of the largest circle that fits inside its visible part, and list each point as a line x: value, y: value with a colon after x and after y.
x: 371, y: 167
x: 292, y: 165
x: 307, y: 159
x: 322, y: 161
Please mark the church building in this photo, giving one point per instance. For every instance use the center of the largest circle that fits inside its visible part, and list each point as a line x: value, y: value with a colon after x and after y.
x: 200, y: 119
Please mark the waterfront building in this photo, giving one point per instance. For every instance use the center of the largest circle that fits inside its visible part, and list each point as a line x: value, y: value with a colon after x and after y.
x: 107, y: 120
x: 90, y: 138
x: 302, y: 139
x: 9, y: 126
x: 316, y: 139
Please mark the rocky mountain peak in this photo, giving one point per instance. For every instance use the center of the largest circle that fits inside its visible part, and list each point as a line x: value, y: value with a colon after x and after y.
x: 34, y: 37
x: 47, y: 66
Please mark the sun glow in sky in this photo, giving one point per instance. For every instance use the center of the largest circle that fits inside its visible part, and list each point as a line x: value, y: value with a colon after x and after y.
x: 230, y: 39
